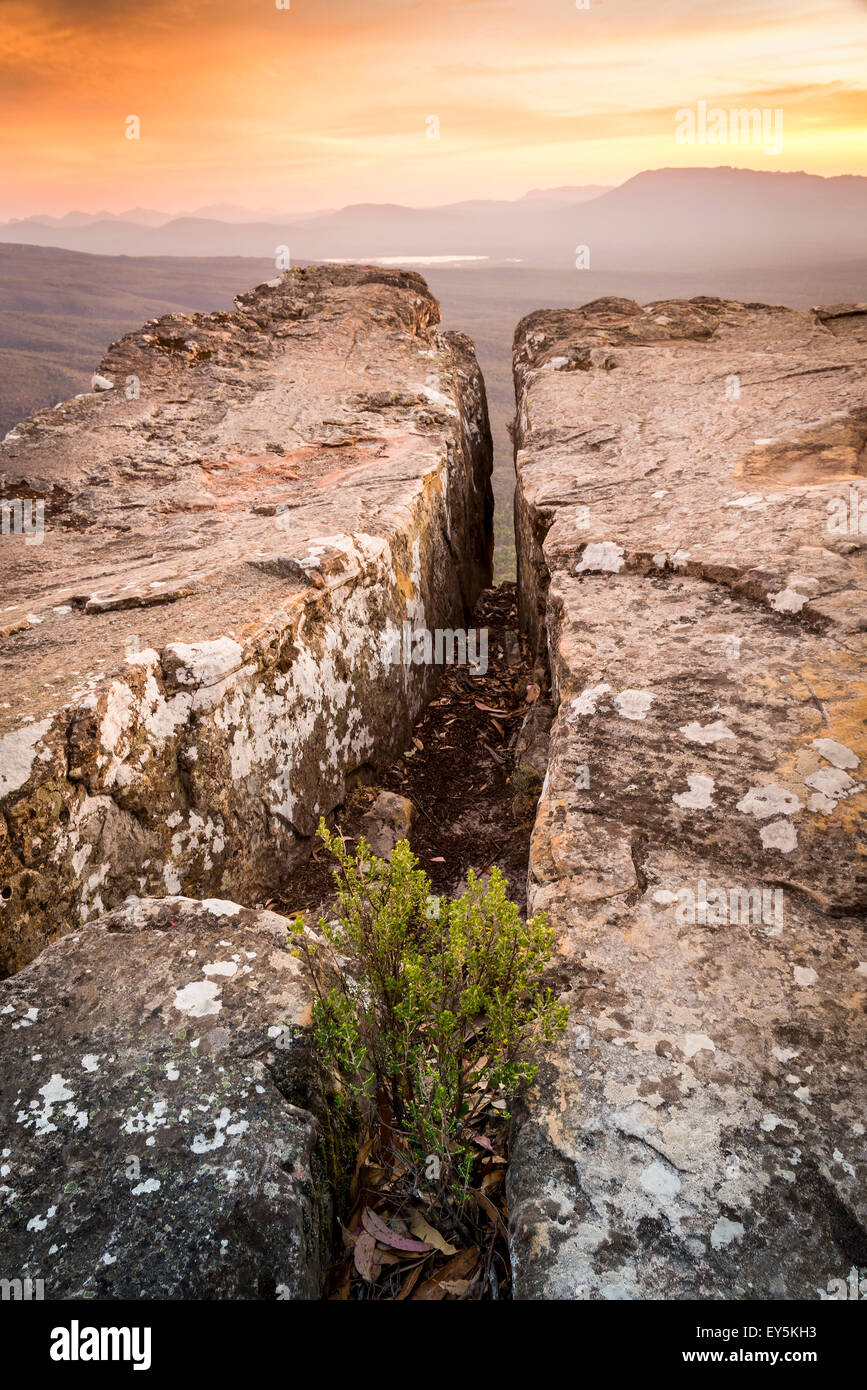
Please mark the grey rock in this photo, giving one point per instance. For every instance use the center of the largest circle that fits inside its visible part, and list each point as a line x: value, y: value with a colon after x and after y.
x: 531, y: 745
x: 390, y: 818
x: 162, y: 1130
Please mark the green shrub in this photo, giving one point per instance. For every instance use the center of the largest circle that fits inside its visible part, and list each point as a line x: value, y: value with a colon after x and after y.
x: 436, y: 1003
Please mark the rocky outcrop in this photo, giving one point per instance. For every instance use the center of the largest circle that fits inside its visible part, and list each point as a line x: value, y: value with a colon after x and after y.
x: 691, y: 556
x: 161, y: 1128
x: 204, y: 642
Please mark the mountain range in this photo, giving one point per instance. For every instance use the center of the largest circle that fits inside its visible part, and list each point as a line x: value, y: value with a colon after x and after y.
x: 663, y: 219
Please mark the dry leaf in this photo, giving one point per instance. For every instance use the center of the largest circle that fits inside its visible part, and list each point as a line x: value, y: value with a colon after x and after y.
x: 426, y: 1232
x: 494, y: 1179
x: 457, y: 1287
x: 460, y: 1267
x: 533, y: 693
x: 377, y: 1228
x: 410, y: 1283
x: 365, y: 1258
x: 487, y: 1206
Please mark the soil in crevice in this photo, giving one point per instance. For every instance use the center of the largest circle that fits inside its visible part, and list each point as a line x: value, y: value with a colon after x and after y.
x: 474, y: 807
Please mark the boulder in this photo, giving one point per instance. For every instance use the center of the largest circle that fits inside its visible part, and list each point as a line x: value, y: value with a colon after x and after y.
x: 204, y: 642
x: 699, y: 842
x: 161, y: 1126
x: 389, y: 819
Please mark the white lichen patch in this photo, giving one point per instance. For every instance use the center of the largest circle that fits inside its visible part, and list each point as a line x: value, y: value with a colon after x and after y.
x: 600, y: 557
x: 53, y: 1093
x: 206, y: 663
x: 836, y: 753
x: 787, y: 601
x: 634, y: 704
x: 706, y: 733
x: 587, y: 701
x: 18, y: 754
x: 700, y: 794
x: 832, y: 784
x: 770, y: 1122
x: 147, y: 1122
x: 199, y: 999
x: 724, y: 1232
x: 39, y: 1223
x: 218, y: 907
x: 660, y: 1181
x: 770, y: 800
x: 780, y: 835
x: 202, y: 1145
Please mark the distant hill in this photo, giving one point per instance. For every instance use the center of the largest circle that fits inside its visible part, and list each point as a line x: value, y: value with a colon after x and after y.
x: 664, y: 219
x: 567, y: 194
x: 59, y: 310
x: 717, y: 218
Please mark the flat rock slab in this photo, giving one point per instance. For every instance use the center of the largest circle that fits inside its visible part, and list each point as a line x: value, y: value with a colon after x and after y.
x: 157, y: 1130
x: 204, y: 639
x: 699, y: 842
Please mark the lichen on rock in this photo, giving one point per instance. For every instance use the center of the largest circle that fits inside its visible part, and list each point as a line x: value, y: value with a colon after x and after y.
x: 199, y: 654
x: 699, y: 1133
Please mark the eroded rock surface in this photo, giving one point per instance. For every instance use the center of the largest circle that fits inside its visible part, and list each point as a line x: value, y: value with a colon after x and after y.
x: 699, y: 845
x: 161, y: 1131
x: 205, y: 643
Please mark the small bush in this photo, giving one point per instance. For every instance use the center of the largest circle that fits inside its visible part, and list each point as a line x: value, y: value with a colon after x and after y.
x: 437, y: 1003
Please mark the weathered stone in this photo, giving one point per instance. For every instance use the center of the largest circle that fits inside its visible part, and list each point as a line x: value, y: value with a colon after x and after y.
x: 199, y: 651
x: 161, y: 1129
x: 531, y: 745
x: 700, y: 1133
x: 389, y: 819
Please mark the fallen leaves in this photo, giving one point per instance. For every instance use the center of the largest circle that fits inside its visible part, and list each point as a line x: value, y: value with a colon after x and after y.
x: 453, y: 1280
x: 403, y: 1239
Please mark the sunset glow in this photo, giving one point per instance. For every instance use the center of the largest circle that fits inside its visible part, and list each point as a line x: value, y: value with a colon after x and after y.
x: 326, y: 104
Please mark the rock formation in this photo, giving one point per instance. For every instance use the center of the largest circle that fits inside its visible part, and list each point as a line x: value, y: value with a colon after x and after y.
x: 200, y: 647
x: 158, y: 1130
x: 205, y: 645
x: 683, y: 474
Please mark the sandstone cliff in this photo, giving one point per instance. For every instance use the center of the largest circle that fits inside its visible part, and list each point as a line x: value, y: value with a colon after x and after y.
x: 699, y: 844
x: 236, y: 523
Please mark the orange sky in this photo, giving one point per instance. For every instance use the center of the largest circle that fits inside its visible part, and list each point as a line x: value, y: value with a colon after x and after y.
x: 325, y: 103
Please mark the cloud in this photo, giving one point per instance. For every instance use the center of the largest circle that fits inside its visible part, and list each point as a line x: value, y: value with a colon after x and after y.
x: 334, y: 94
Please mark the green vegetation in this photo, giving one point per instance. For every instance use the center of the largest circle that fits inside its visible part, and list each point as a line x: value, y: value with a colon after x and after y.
x: 425, y: 1006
